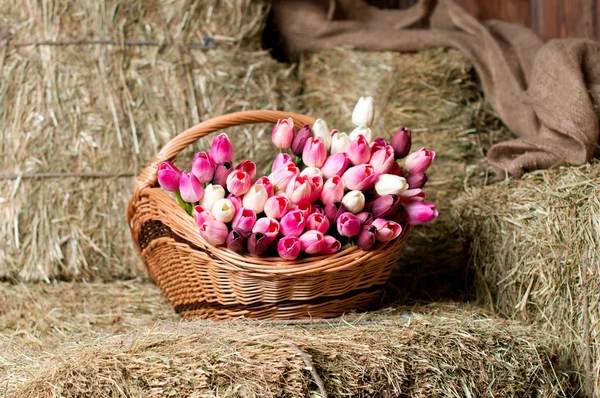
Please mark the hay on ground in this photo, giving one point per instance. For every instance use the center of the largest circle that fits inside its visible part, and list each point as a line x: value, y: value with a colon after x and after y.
x: 535, y: 247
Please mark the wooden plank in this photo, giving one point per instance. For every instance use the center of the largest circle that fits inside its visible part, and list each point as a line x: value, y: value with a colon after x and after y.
x: 565, y: 18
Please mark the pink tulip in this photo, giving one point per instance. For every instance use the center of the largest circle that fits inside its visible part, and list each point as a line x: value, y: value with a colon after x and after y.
x: 314, y: 153
x: 265, y: 182
x: 282, y: 176
x: 267, y: 226
x: 280, y: 160
x: 401, y: 142
x: 348, y: 224
x: 360, y: 177
x: 317, y: 222
x: 333, y: 190
x: 316, y: 187
x: 238, y: 182
x: 305, y: 208
x: 283, y: 133
x: 386, y: 230
x: 236, y: 201
x: 333, y: 211
x: 335, y: 164
x: 412, y: 195
x: 289, y: 247
x: 330, y: 245
x: 420, y: 212
x: 299, y: 142
x: 168, y: 176
x: 365, y: 218
x: 244, y: 220
x: 203, y: 167
x: 222, y: 171
x: 419, y: 161
x: 312, y: 242
x: 316, y: 208
x: 221, y: 149
x: 293, y: 223
x: 359, y: 151
x: 299, y: 190
x: 277, y: 206
x: 367, y: 237
x: 190, y: 188
x: 416, y: 180
x: 258, y: 244
x: 214, y: 232
x: 383, y: 160
x: 200, y: 215
x: 247, y: 166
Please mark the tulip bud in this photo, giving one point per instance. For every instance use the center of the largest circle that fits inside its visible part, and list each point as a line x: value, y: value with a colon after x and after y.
x: 222, y: 171
x: 316, y: 208
x: 396, y: 170
x: 314, y: 153
x: 256, y: 198
x: 244, y: 220
x: 316, y: 187
x: 203, y: 167
x: 305, y: 208
x: 359, y: 151
x: 419, y: 161
x: 293, y: 223
x: 385, y: 206
x: 212, y: 193
x: 267, y: 226
x: 417, y: 180
x: 311, y: 172
x: 354, y: 201
x: 360, y: 177
x: 401, y: 142
x: 282, y: 176
x: 276, y: 206
x: 168, y: 176
x: 299, y: 190
x: 420, y: 212
x: 300, y: 139
x: 365, y: 218
x: 312, y: 242
x: 340, y: 142
x: 236, y: 200
x: 200, y: 215
x: 412, y: 195
x: 247, y: 166
x: 289, y: 247
x: 281, y: 159
x: 348, y: 224
x: 386, y: 230
x: 317, y: 222
x: 190, y: 188
x: 283, y: 133
x: 330, y: 245
x: 223, y: 210
x: 236, y: 241
x: 258, y: 244
x: 389, y: 184
x: 265, y: 182
x: 364, y: 112
x: 367, y: 237
x: 361, y: 130
x: 221, y: 149
x: 214, y: 232
x: 335, y: 164
x: 333, y: 190
x: 383, y: 160
x: 238, y: 182
x: 333, y: 211
x: 320, y: 130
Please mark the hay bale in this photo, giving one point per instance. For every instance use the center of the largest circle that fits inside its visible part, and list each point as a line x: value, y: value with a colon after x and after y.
x: 435, y: 93
x: 74, y: 339
x: 535, y: 247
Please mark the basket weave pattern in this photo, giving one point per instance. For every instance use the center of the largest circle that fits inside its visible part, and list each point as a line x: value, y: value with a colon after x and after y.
x: 201, y: 280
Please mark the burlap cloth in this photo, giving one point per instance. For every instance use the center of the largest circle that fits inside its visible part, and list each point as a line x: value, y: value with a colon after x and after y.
x: 547, y: 93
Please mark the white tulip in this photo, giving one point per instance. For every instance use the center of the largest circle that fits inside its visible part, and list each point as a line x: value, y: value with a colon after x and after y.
x: 212, y: 193
x: 364, y: 112
x: 320, y: 129
x: 340, y: 143
x: 256, y: 198
x: 223, y: 210
x: 364, y: 130
x: 390, y: 184
x: 312, y: 172
x: 354, y: 201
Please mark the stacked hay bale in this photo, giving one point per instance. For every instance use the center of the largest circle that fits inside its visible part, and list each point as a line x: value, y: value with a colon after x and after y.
x: 535, y: 247
x: 93, y: 116
x: 434, y: 93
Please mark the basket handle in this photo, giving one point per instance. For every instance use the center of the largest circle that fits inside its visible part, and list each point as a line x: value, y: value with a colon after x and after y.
x: 177, y: 144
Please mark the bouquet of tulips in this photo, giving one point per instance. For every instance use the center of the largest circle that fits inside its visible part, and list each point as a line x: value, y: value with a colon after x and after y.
x: 326, y: 189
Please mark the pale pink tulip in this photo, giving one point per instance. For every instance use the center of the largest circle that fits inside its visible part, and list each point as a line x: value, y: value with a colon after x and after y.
x: 335, y: 164
x: 359, y: 151
x: 244, y: 220
x: 277, y: 206
x: 282, y: 176
x: 383, y: 160
x: 317, y: 222
x: 386, y: 230
x: 265, y: 182
x: 299, y: 190
x: 281, y: 159
x: 214, y: 232
x: 312, y: 242
x: 316, y: 187
x: 247, y: 166
x: 238, y: 182
x: 314, y: 153
x: 283, y: 133
x: 333, y: 190
x: 419, y: 161
x: 360, y: 177
x: 200, y: 215
x: 267, y: 226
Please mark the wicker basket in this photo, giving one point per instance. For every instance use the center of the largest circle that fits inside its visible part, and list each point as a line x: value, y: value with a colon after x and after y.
x: 201, y: 280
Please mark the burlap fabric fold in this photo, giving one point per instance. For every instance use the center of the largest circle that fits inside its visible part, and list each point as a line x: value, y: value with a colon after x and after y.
x: 548, y: 94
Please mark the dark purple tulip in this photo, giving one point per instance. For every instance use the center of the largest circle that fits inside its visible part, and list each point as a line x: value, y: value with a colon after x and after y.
x: 318, y: 209
x: 236, y: 241
x: 334, y: 210
x: 401, y: 142
x: 222, y: 171
x: 258, y: 243
x: 300, y: 139
x: 365, y: 218
x: 417, y: 180
x: 367, y: 237
x: 396, y: 169
x: 385, y: 206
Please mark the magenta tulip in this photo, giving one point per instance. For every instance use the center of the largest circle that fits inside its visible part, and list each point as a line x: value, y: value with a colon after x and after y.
x: 305, y: 208
x: 316, y: 208
x: 222, y: 171
x: 367, y: 237
x: 214, y: 232
x: 334, y: 210
x: 401, y: 142
x: 360, y: 177
x: 396, y: 169
x: 299, y: 190
x: 386, y: 230
x: 348, y: 224
x: 236, y: 241
x: 330, y: 245
x: 239, y: 182
x: 419, y: 161
x: 359, y: 151
x: 383, y: 160
x: 244, y: 220
x: 412, y: 195
x: 247, y: 166
x: 280, y: 160
x: 200, y: 215
x: 317, y: 222
x: 190, y: 188
x: 265, y: 182
x: 282, y: 176
x: 283, y: 133
x: 365, y: 218
x: 258, y: 244
x: 316, y: 187
x: 293, y: 223
x: 203, y: 167
x: 267, y: 226
x: 416, y: 180
x: 384, y: 206
x: 335, y: 164
x: 277, y: 206
x: 420, y: 212
x: 221, y: 149
x: 333, y: 190
x: 168, y: 176
x: 289, y: 247
x: 236, y: 201
x: 312, y: 242
x: 299, y: 142
x: 314, y: 153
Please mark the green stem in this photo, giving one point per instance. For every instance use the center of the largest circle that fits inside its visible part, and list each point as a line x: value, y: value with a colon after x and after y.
x: 185, y: 205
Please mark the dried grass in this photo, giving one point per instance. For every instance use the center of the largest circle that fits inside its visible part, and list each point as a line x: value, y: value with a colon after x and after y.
x: 121, y: 339
x: 535, y: 247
